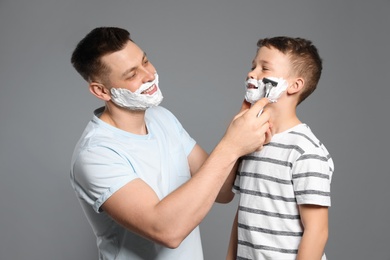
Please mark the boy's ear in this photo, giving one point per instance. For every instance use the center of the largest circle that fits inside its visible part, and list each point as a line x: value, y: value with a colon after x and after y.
x: 296, y: 87
x: 99, y: 91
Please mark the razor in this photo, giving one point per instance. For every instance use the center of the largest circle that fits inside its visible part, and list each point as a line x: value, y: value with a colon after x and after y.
x: 269, y: 84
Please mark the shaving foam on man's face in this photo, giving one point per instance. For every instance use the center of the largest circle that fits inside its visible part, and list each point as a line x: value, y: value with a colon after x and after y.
x: 141, y: 99
x: 257, y: 89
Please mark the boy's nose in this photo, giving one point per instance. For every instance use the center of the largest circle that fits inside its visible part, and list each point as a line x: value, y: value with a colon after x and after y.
x: 252, y: 75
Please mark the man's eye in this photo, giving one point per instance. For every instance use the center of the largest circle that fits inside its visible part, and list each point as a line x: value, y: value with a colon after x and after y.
x: 131, y: 76
x: 146, y: 62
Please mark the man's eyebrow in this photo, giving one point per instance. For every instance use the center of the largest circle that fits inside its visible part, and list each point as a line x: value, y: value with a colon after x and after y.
x: 133, y: 68
x: 144, y: 57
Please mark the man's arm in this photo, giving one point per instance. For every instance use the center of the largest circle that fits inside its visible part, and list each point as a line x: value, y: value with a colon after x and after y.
x: 196, y: 159
x: 315, y: 235
x: 168, y: 221
x: 226, y: 194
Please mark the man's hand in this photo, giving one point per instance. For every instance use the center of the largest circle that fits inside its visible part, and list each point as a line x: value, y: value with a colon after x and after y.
x: 248, y: 132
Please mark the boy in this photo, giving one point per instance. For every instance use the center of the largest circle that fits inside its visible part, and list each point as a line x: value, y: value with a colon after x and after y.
x: 285, y: 187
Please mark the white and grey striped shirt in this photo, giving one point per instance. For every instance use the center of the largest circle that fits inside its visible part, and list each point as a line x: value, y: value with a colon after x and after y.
x: 294, y: 168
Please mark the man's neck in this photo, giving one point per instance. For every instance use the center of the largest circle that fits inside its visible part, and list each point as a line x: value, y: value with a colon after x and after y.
x: 126, y: 120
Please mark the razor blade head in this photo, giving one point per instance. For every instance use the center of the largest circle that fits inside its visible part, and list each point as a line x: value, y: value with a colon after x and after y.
x: 273, y: 83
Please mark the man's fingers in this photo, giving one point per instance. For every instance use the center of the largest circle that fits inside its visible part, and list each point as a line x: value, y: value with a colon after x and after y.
x: 245, y: 105
x: 258, y: 107
x: 268, y: 135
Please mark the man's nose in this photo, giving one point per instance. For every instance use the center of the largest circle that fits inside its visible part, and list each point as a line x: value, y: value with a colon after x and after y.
x: 149, y: 76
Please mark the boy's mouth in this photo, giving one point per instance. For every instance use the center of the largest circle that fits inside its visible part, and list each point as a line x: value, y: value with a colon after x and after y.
x: 251, y: 86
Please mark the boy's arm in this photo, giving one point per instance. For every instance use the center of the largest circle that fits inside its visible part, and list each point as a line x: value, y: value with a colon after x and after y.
x: 232, y: 249
x: 315, y: 235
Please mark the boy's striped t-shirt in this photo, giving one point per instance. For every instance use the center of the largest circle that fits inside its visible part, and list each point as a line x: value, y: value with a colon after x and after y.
x: 294, y: 168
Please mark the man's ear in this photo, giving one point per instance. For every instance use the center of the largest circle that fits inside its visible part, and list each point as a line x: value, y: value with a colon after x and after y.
x: 99, y: 91
x: 296, y: 87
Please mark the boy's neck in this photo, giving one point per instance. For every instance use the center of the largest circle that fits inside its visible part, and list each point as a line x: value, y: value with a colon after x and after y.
x: 282, y: 120
x: 279, y: 127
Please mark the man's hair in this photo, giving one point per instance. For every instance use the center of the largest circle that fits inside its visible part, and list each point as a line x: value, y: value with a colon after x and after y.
x: 86, y: 57
x: 304, y: 57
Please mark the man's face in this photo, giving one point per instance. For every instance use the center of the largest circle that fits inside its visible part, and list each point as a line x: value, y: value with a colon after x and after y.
x: 269, y: 62
x: 130, y: 68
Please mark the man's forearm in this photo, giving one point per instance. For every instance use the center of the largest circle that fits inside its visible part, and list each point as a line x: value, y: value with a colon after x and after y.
x: 226, y: 194
x: 186, y: 207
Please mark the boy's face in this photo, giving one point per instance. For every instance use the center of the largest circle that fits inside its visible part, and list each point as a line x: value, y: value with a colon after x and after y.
x: 270, y: 62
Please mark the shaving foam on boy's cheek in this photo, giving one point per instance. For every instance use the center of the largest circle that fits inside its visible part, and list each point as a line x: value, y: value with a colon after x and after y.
x: 276, y: 91
x: 257, y: 89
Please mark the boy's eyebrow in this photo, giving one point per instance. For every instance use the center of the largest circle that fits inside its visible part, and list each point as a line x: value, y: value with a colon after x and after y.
x: 132, y: 68
x: 265, y: 62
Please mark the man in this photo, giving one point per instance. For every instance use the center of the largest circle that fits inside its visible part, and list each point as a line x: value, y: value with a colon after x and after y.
x: 143, y: 182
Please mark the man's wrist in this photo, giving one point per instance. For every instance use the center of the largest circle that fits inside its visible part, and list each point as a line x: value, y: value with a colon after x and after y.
x: 227, y: 151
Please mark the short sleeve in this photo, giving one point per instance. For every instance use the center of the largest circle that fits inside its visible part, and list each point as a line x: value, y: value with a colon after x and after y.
x: 98, y: 172
x: 187, y: 141
x: 312, y: 173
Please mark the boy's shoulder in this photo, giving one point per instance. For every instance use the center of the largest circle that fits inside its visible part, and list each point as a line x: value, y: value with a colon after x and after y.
x: 309, y: 144
x: 302, y: 136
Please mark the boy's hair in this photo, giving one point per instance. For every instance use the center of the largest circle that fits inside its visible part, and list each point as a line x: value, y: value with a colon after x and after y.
x: 304, y: 57
x: 86, y: 57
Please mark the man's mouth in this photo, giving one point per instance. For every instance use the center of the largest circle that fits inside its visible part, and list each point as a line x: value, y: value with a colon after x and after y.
x: 150, y: 91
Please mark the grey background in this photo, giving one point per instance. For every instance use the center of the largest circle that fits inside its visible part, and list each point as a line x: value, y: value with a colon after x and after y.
x: 202, y: 50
